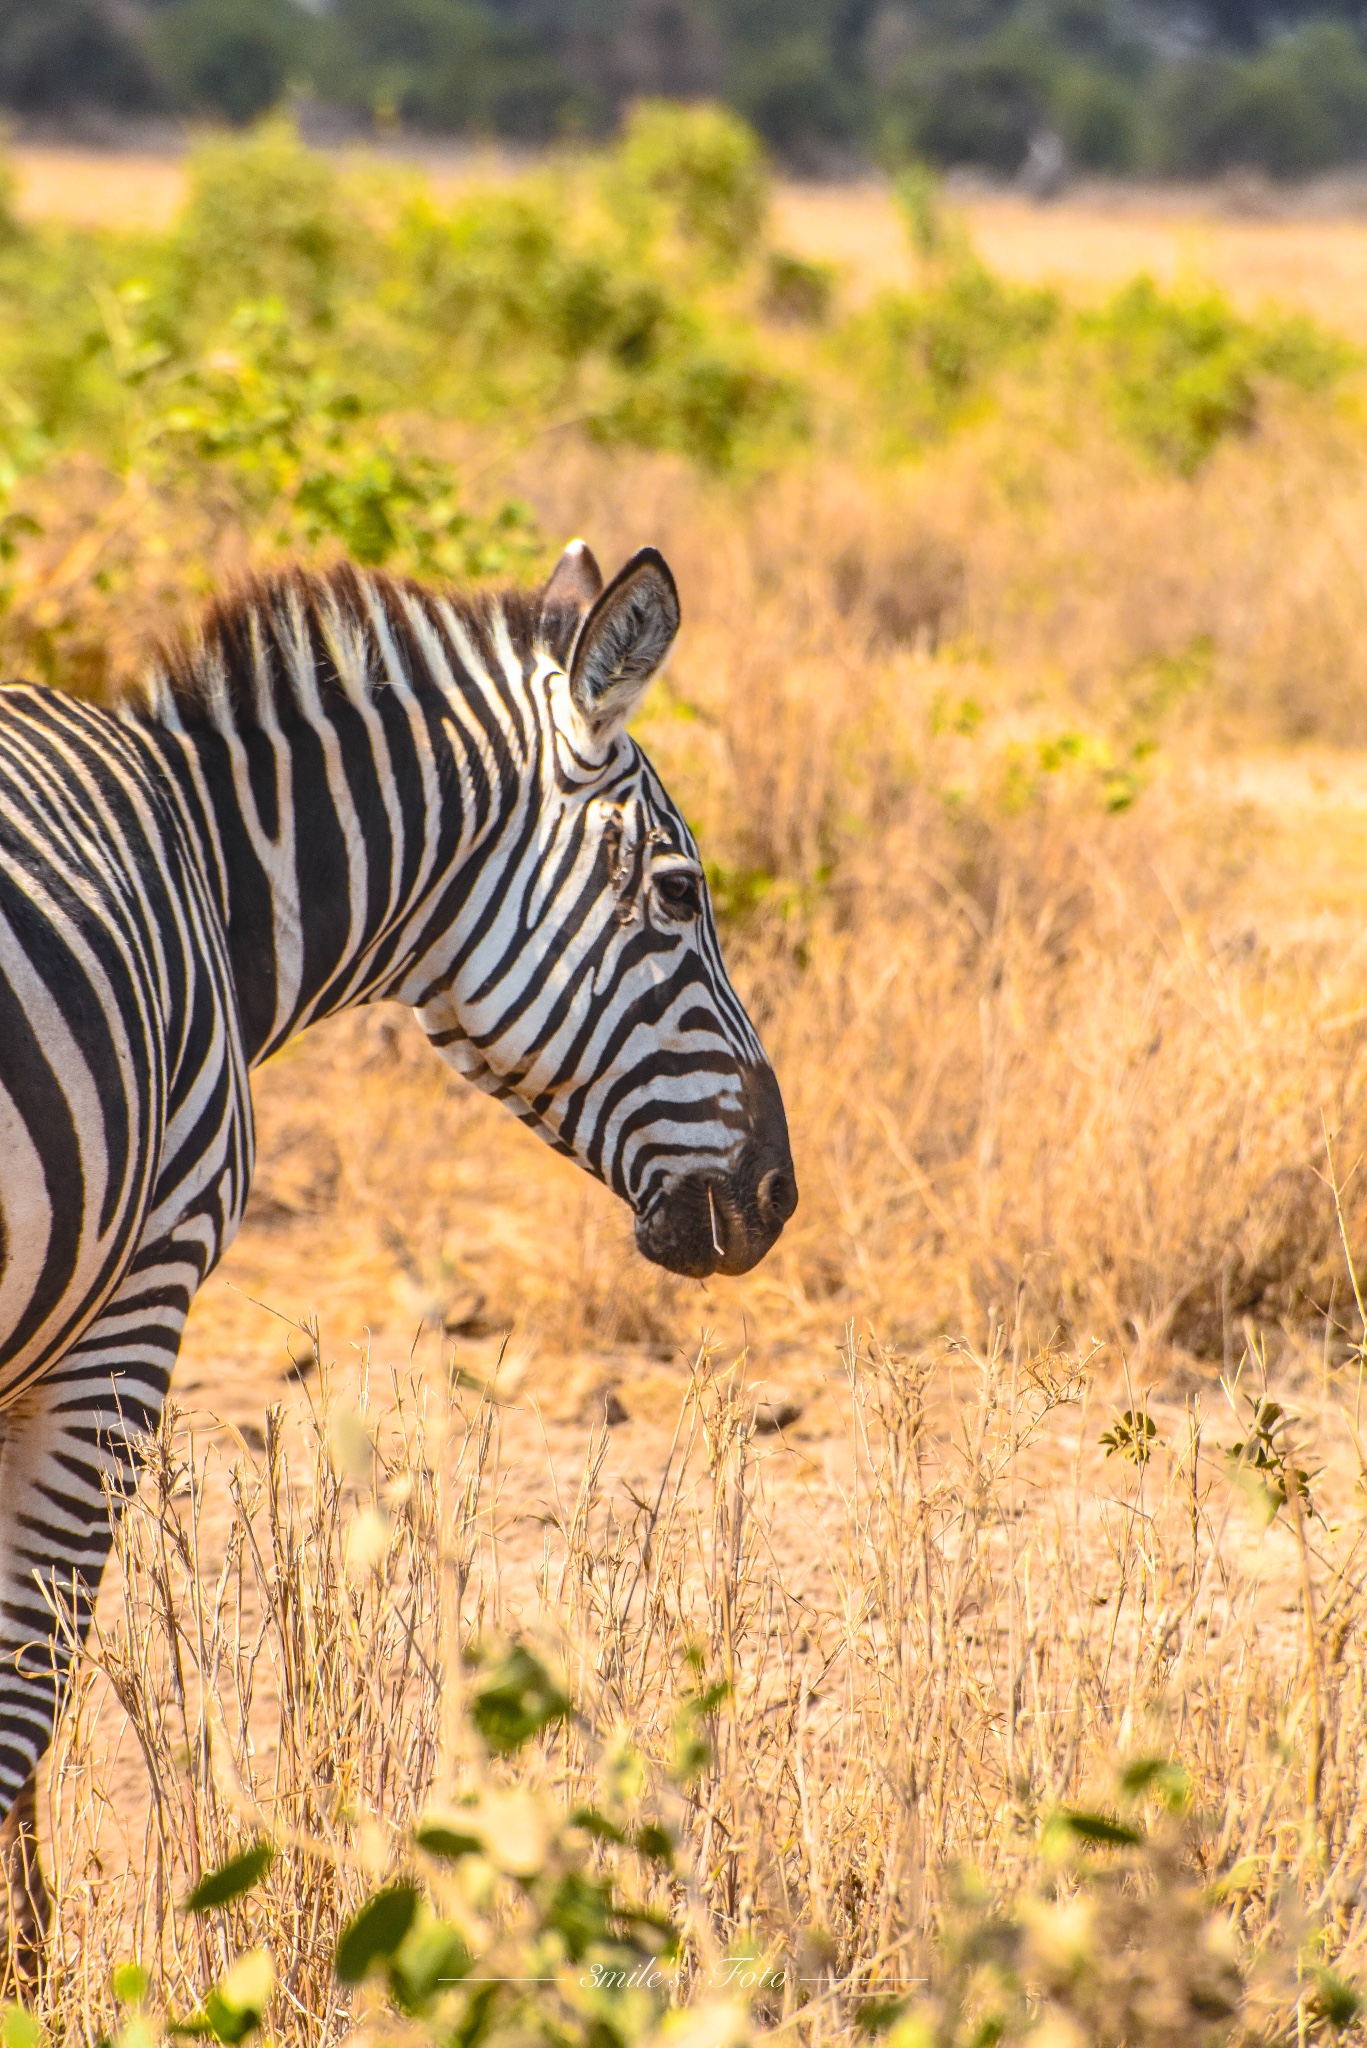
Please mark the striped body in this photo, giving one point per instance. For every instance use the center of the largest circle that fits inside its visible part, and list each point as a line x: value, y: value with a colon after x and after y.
x: 347, y: 790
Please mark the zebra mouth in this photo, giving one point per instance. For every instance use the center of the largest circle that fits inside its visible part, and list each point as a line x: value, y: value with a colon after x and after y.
x: 707, y: 1223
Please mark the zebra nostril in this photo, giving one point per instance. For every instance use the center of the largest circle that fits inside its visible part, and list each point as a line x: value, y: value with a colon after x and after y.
x: 777, y: 1196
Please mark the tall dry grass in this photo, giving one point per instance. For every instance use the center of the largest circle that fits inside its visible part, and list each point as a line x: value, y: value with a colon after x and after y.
x: 1056, y: 1016
x: 987, y: 1624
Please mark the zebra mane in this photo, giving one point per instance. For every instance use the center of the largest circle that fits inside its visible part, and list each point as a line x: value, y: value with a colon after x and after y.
x: 272, y: 644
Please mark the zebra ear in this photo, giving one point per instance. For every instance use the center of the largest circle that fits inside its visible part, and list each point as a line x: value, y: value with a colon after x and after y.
x: 575, y: 581
x: 623, y: 641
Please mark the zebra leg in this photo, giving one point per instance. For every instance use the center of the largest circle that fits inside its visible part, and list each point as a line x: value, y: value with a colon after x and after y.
x: 25, y: 1904
x: 24, y: 1898
x: 71, y: 1454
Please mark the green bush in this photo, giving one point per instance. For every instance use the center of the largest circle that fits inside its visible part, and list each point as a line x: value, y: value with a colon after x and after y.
x: 930, y: 356
x: 516, y: 294
x: 506, y: 1916
x: 1183, y: 370
x: 801, y: 102
x: 272, y: 344
x: 695, y: 174
x: 301, y: 457
x: 532, y: 302
x: 704, y: 402
x: 980, y: 105
x: 55, y: 351
x: 796, y: 290
x: 59, y: 55
x: 264, y: 219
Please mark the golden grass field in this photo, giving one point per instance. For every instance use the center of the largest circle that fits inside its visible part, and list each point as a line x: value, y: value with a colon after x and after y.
x: 1077, y: 1102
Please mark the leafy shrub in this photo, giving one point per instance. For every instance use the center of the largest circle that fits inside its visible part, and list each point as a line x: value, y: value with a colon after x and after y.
x: 801, y: 102
x: 695, y: 174
x: 797, y: 291
x: 703, y: 401
x: 301, y: 455
x: 535, y: 303
x: 507, y: 284
x: 507, y: 1915
x: 264, y: 219
x: 930, y: 355
x: 1115, y: 1944
x: 59, y: 54
x: 1184, y: 369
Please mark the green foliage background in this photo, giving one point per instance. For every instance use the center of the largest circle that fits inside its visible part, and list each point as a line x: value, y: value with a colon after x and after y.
x: 305, y: 361
x: 1169, y: 86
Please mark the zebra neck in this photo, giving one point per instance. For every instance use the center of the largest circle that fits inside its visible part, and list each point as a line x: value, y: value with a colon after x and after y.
x: 334, y: 844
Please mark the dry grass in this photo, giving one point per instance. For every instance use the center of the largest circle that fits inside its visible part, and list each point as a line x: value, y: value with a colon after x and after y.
x: 1092, y: 241
x: 1060, y: 1080
x: 988, y: 1621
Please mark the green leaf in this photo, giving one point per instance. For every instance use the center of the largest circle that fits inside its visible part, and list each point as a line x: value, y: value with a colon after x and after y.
x: 580, y: 1911
x: 18, y: 2027
x: 1156, y: 1774
x: 1099, y: 1827
x: 1132, y: 1435
x: 656, y: 1843
x: 595, y: 1823
x: 430, y: 1957
x: 231, y: 1879
x: 692, y: 1750
x: 514, y: 1699
x: 1338, y: 2001
x: 659, y: 1923
x: 128, y: 1982
x: 373, y: 1934
x: 235, y: 2006
x: 449, y: 1843
x: 876, y: 2015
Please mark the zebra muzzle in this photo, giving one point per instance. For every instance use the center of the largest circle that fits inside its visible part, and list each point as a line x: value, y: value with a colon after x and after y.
x: 706, y: 1223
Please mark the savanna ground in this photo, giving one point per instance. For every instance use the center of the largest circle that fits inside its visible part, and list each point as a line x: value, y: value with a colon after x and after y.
x: 1014, y: 1511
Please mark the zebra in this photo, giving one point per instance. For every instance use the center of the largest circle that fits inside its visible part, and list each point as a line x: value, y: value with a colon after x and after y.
x: 344, y: 788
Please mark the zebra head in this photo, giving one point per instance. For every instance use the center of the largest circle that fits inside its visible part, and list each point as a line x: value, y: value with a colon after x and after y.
x: 589, y: 992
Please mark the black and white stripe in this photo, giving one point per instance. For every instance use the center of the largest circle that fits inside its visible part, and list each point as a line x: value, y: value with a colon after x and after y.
x: 347, y: 789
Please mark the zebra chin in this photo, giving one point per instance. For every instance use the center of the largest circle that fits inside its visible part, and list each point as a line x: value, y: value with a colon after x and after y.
x: 706, y: 1223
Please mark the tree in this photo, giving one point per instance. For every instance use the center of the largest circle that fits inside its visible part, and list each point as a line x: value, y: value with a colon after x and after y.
x: 232, y: 57
x: 59, y: 55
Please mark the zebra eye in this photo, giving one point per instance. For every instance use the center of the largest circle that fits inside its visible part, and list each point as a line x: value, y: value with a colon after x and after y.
x: 680, y: 891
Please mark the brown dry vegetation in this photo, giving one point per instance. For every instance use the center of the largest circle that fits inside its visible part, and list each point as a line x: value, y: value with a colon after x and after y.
x: 1033, y: 783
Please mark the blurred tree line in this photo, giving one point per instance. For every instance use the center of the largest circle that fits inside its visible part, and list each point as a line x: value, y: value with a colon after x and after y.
x: 1161, y: 86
